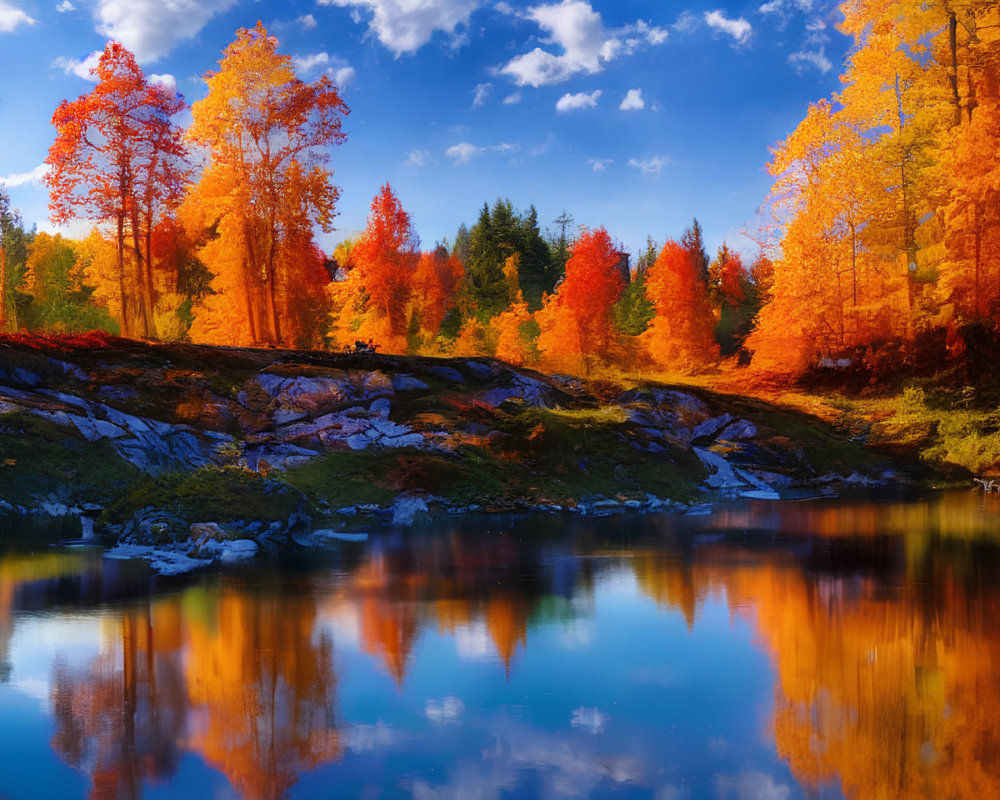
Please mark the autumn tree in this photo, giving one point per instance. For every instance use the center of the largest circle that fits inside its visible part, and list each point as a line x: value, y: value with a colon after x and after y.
x: 265, y: 187
x: 118, y: 159
x: 55, y: 285
x: 386, y: 257
x: 435, y: 283
x: 575, y: 322
x: 14, y: 240
x: 680, y: 337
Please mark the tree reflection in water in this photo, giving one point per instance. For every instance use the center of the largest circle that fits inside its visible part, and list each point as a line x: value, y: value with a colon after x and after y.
x: 882, y: 624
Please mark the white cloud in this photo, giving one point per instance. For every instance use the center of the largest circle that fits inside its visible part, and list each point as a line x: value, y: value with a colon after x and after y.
x: 586, y: 44
x: 65, y: 6
x: 311, y: 62
x: 504, y: 8
x: 685, y: 23
x: 592, y: 720
x: 307, y: 21
x: 811, y: 52
x: 739, y: 28
x: 751, y: 785
x: 779, y: 6
x: 418, y: 158
x: 166, y: 80
x: 404, y: 26
x: 22, y: 178
x: 464, y: 151
x: 339, y: 71
x: 512, y: 99
x: 81, y: 68
x: 803, y: 59
x: 600, y: 164
x: 11, y: 17
x: 649, y: 166
x: 574, y: 102
x: 448, y: 710
x: 482, y: 92
x: 152, y: 28
x: 633, y: 101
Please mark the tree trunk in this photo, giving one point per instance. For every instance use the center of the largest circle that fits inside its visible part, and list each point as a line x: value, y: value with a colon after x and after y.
x: 145, y: 296
x: 3, y: 288
x: 953, y: 76
x: 126, y: 328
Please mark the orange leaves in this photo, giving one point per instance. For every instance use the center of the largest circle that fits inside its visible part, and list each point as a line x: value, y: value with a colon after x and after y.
x: 576, y: 321
x: 265, y: 187
x: 435, y: 283
x: 681, y: 334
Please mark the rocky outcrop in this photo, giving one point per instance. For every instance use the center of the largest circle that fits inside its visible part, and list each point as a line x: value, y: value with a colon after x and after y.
x: 526, y: 440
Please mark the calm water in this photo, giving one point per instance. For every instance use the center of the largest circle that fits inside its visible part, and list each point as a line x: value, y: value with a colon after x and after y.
x: 767, y: 651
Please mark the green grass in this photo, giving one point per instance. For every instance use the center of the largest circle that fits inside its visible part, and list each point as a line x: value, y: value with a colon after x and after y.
x: 39, y: 459
x: 349, y: 477
x: 209, y: 494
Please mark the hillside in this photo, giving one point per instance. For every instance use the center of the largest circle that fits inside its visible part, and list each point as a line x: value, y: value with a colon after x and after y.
x: 152, y: 439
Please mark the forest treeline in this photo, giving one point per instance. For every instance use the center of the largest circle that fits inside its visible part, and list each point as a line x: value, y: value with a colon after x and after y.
x: 880, y: 241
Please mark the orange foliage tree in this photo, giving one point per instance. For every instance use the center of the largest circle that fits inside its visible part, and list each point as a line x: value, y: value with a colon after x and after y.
x: 680, y: 337
x: 435, y: 284
x: 575, y: 322
x: 266, y: 185
x: 118, y: 159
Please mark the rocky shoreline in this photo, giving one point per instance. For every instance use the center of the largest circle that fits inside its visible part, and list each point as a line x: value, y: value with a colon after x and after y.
x: 192, y: 456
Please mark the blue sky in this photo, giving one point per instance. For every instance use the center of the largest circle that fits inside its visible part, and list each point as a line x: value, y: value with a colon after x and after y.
x: 633, y: 115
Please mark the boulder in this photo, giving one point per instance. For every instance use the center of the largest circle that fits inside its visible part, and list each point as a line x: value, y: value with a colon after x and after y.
x: 407, y: 508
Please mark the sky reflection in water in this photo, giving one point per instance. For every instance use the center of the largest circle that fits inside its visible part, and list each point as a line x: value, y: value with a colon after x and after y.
x: 767, y: 651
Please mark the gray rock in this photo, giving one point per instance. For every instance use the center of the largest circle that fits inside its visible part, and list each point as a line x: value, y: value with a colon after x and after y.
x: 446, y: 373
x: 528, y: 390
x: 285, y: 415
x: 238, y: 550
x: 359, y: 441
x: 407, y: 508
x: 374, y: 384
x: 741, y: 429
x: 20, y: 376
x: 307, y: 393
x: 407, y: 383
x: 380, y: 407
x: 480, y: 370
x: 710, y: 427
x: 93, y: 429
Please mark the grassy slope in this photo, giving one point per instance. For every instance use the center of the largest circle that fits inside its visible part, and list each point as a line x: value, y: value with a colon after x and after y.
x: 520, y: 454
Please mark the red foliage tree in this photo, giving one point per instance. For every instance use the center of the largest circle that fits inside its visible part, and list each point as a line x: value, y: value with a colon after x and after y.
x: 387, y: 255
x: 576, y: 321
x: 119, y: 159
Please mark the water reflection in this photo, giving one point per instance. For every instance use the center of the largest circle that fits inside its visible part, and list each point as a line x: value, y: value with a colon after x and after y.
x: 550, y: 658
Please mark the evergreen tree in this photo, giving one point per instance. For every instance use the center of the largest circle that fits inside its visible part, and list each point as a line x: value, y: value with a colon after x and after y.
x: 560, y: 246
x: 14, y: 241
x: 461, y: 246
x: 647, y: 257
x: 486, y: 289
x: 693, y: 241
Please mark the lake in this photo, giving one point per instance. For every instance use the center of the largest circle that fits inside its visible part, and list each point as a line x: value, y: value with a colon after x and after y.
x: 818, y: 649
